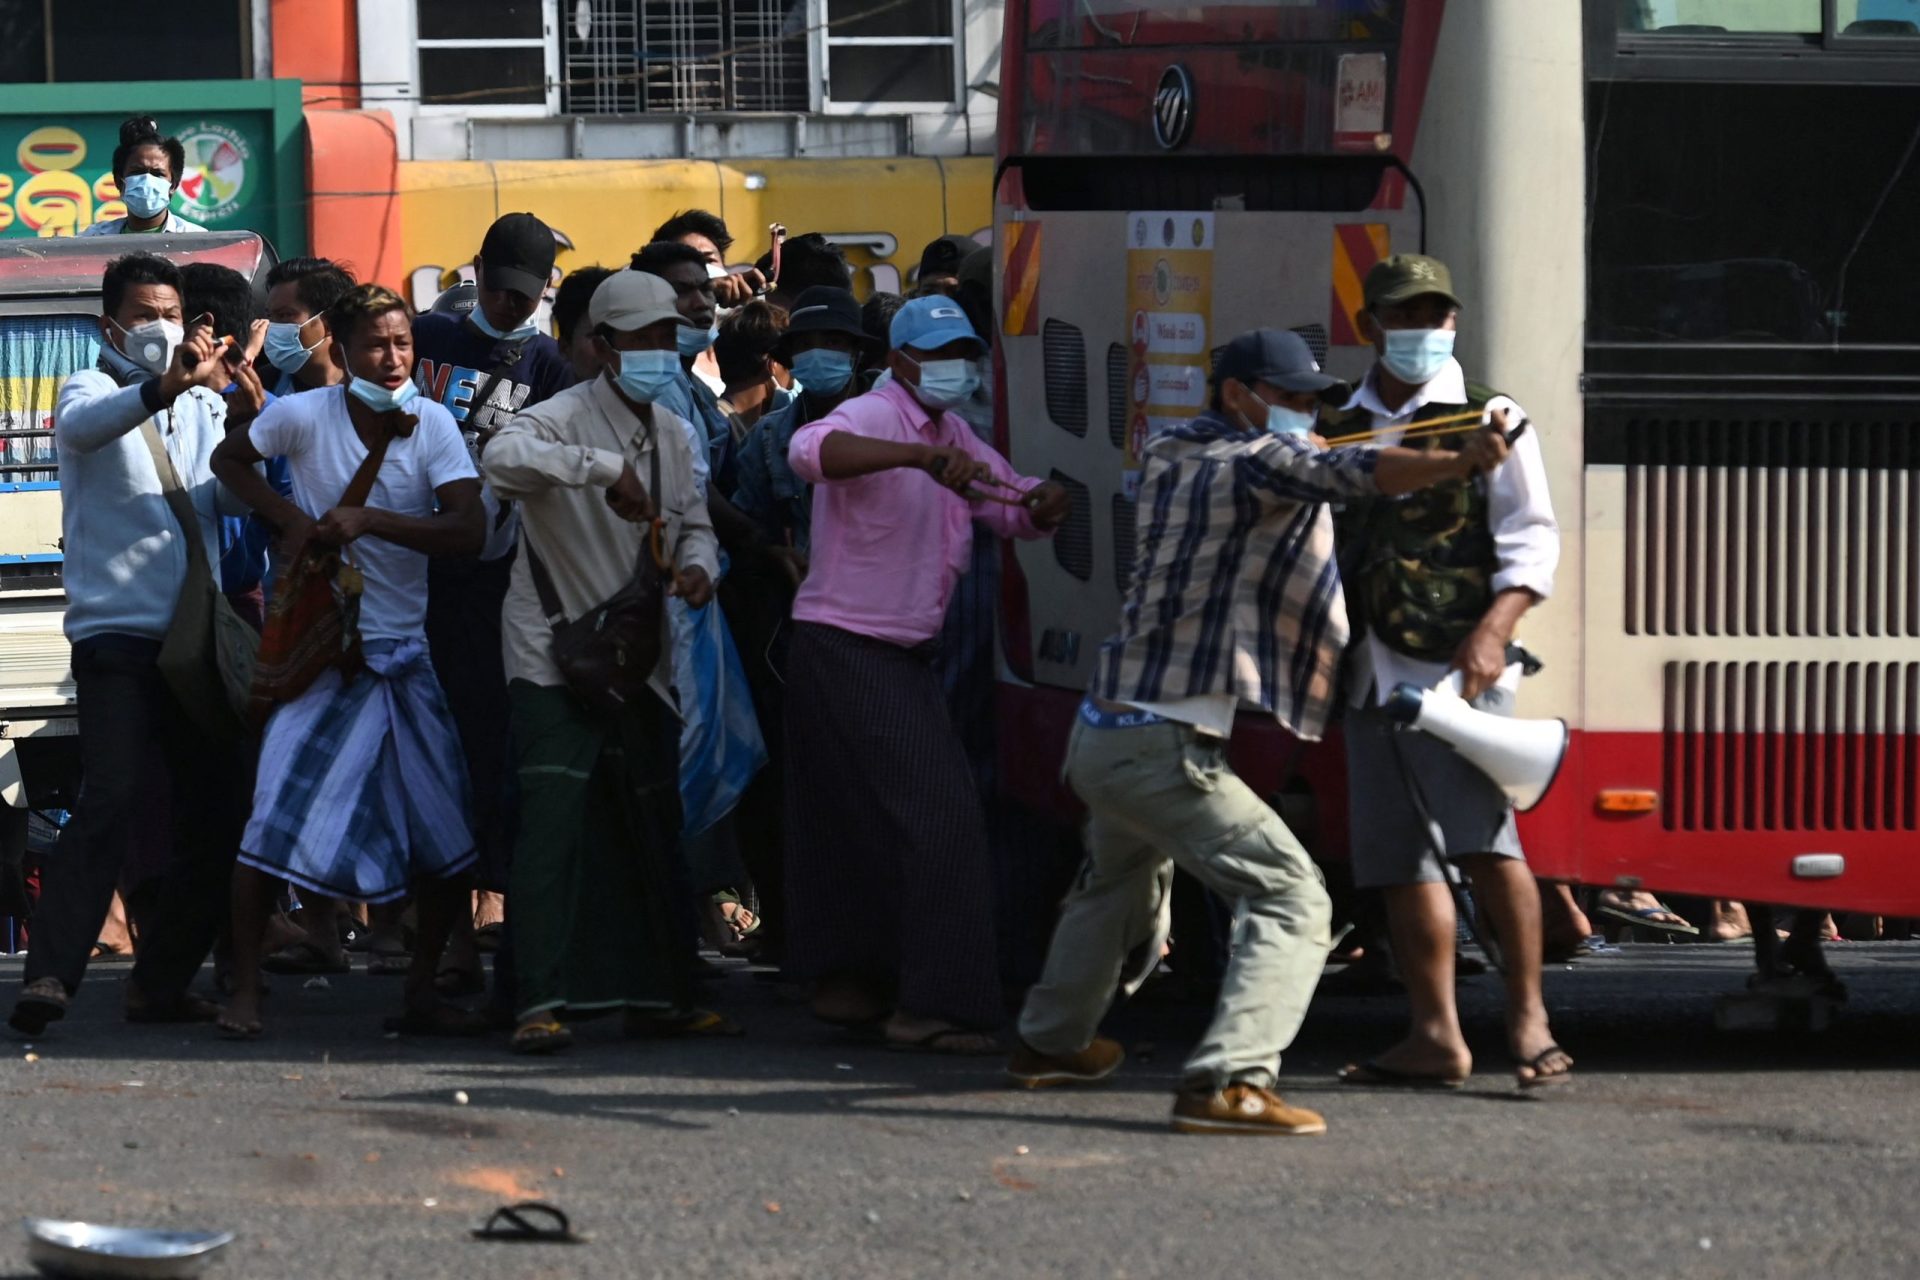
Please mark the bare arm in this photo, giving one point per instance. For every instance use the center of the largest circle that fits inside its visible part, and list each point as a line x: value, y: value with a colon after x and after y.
x: 458, y: 528
x: 235, y: 464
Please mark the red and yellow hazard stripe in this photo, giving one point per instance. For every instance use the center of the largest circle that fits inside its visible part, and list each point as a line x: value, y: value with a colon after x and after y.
x: 1356, y: 248
x: 1020, y: 317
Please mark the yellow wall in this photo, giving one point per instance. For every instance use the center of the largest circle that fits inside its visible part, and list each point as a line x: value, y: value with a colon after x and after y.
x: 607, y: 209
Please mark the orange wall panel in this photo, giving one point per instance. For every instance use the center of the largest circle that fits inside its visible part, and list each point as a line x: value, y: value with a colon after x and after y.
x: 354, y: 216
x: 317, y: 42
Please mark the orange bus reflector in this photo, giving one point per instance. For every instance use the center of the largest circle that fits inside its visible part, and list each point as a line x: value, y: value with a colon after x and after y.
x: 1020, y: 318
x: 1629, y: 801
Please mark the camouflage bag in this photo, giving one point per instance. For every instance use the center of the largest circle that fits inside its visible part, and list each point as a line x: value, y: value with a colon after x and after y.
x: 1419, y: 569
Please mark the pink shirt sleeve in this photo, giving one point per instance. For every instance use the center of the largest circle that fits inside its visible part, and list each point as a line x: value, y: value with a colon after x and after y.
x: 1008, y: 522
x: 803, y: 454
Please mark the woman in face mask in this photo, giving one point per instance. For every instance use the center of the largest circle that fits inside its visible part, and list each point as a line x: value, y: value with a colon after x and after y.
x: 147, y: 168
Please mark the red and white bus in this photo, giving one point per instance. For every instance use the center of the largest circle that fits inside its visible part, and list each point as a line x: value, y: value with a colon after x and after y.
x: 1683, y: 231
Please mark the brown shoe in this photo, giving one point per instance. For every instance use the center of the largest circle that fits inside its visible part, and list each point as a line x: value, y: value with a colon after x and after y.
x: 1031, y: 1069
x: 1242, y: 1108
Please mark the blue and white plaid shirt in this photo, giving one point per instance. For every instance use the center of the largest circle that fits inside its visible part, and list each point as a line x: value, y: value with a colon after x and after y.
x: 1235, y: 589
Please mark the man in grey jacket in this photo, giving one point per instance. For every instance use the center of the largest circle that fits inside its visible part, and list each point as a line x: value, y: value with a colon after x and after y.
x: 126, y: 558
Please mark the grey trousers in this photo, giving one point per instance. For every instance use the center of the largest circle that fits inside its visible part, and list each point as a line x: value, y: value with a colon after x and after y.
x: 1162, y: 794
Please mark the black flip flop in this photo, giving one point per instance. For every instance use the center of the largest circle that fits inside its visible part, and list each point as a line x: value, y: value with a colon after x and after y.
x: 1373, y: 1075
x: 529, y: 1222
x: 1542, y: 1081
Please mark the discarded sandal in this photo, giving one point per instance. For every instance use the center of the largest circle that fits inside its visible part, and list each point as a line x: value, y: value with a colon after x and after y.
x: 530, y: 1222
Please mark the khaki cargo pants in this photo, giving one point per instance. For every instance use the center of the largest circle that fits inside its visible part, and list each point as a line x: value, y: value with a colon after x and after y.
x: 1159, y: 795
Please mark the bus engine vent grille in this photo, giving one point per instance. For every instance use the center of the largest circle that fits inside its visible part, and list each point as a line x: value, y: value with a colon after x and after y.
x: 1064, y: 350
x: 1073, y: 544
x: 1124, y: 532
x: 1791, y: 746
x: 1117, y: 395
x: 1316, y: 338
x: 1771, y: 528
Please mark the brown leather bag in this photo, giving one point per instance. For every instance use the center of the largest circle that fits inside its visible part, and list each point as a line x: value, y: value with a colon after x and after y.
x: 608, y: 653
x: 314, y: 624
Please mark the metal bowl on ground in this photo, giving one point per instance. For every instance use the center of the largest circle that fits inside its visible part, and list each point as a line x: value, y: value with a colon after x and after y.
x: 89, y: 1251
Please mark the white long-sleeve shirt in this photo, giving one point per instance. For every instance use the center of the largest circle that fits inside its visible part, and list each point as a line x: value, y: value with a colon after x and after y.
x: 1526, y: 537
x: 556, y: 459
x: 125, y: 557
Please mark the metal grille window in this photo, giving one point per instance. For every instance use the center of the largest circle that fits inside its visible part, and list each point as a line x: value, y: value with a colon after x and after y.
x: 624, y: 57
x: 484, y: 53
x: 891, y: 51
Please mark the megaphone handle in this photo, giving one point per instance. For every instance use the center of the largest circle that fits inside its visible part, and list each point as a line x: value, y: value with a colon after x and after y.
x: 1514, y: 435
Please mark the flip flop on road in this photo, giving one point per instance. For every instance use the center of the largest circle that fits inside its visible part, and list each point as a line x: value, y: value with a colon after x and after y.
x: 530, y: 1222
x: 234, y: 1029
x: 306, y: 957
x: 955, y: 1041
x: 1373, y: 1074
x: 1553, y: 1055
x: 1647, y: 918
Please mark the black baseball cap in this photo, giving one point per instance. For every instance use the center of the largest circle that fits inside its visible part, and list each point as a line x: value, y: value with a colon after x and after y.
x: 517, y: 254
x: 825, y: 309
x: 1276, y: 356
x: 944, y: 256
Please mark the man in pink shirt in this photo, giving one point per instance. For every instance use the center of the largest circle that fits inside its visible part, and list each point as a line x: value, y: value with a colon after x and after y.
x: 890, y: 892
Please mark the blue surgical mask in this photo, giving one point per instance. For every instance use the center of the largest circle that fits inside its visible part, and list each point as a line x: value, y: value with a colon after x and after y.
x: 645, y: 375
x: 823, y: 369
x: 694, y: 341
x: 379, y: 398
x: 479, y: 317
x: 945, y: 383
x: 146, y: 194
x: 1416, y: 356
x: 1283, y: 421
x: 285, y: 351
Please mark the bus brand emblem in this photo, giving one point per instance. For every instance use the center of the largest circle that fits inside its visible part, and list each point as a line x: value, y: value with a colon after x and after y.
x: 1173, y: 108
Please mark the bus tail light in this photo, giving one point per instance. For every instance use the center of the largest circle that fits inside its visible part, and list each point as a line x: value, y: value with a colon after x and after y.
x: 1628, y: 802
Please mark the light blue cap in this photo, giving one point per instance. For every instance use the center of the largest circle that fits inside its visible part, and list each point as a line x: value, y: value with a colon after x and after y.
x: 927, y: 324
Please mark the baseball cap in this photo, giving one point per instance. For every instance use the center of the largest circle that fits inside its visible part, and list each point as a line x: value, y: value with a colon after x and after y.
x: 925, y: 324
x: 944, y: 256
x: 517, y: 254
x: 629, y: 300
x: 1275, y: 356
x: 825, y: 309
x: 1405, y: 276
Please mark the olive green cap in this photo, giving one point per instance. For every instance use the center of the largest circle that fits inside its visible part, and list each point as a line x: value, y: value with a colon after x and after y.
x: 1405, y: 276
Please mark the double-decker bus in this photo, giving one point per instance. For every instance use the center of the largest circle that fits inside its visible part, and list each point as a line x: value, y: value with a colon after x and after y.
x: 1683, y: 230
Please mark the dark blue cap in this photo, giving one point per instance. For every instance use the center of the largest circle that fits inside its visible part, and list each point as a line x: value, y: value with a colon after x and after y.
x: 1276, y: 356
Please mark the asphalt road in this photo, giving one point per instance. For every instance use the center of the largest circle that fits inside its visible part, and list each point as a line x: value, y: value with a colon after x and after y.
x: 338, y: 1153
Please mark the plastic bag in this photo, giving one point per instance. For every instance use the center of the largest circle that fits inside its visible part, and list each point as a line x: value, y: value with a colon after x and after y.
x: 720, y: 744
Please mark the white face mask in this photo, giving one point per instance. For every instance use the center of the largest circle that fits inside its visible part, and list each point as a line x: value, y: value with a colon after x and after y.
x: 150, y: 345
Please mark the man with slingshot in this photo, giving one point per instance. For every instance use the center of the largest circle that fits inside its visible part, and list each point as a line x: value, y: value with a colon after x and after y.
x: 1235, y: 602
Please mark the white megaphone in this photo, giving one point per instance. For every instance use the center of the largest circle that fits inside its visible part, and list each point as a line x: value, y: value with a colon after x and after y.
x: 1521, y: 756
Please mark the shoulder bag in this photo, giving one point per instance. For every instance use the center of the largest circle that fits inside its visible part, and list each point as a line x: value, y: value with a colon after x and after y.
x: 207, y: 657
x: 313, y: 625
x: 607, y: 654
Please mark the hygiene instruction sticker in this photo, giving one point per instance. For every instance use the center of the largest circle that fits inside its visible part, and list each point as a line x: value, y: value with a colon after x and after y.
x: 1169, y: 326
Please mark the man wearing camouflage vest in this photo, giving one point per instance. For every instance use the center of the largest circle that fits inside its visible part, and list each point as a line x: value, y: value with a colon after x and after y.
x: 1439, y: 579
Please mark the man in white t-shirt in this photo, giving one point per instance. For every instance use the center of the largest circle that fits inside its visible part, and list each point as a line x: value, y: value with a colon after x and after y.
x: 362, y: 790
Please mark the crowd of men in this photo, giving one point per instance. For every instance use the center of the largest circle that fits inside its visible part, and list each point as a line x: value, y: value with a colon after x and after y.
x: 672, y: 626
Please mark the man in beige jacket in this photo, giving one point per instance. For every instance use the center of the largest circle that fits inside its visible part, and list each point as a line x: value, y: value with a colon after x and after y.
x: 590, y: 890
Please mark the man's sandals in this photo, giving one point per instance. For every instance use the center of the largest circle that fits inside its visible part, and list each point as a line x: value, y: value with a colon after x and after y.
x: 1552, y: 1065
x: 548, y: 1036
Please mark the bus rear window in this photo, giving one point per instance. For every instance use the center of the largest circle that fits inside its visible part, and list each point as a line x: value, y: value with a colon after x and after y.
x: 1088, y: 24
x: 1796, y: 226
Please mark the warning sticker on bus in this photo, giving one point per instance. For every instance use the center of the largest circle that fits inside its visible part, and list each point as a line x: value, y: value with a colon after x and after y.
x: 1169, y: 322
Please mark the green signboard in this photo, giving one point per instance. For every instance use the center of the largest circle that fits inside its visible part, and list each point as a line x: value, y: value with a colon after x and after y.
x: 244, y: 148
